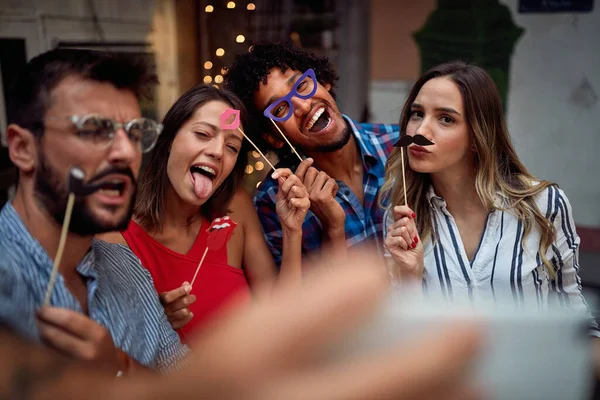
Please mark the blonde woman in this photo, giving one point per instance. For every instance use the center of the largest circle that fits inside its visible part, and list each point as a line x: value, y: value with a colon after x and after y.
x: 479, y: 226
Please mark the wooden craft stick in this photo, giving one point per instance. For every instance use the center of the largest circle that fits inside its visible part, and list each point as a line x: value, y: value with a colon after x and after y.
x: 257, y: 149
x: 61, y: 247
x: 287, y: 141
x: 403, y: 176
x: 199, y: 265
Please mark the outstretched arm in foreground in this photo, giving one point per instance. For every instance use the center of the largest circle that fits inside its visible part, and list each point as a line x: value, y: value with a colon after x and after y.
x: 273, y: 348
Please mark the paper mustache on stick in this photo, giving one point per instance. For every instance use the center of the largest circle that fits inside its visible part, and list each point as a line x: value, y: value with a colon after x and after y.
x: 407, y: 140
x: 77, y: 188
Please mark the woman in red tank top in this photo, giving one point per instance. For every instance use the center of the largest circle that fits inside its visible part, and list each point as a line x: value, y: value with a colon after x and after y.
x: 191, y: 182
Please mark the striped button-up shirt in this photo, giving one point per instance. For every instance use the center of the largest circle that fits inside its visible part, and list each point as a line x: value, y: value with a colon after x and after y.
x: 364, y: 221
x: 121, y: 295
x: 504, y: 267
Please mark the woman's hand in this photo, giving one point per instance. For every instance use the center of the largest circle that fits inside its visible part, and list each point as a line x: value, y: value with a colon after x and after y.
x: 403, y: 243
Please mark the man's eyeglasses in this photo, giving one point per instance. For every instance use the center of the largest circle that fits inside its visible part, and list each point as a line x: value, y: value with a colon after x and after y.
x: 142, y: 132
x: 305, y: 88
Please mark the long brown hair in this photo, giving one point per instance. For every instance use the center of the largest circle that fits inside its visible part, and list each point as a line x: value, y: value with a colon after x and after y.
x: 499, y: 170
x: 153, y: 183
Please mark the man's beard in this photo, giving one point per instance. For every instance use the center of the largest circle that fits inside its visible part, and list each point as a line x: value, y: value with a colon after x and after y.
x: 338, y: 144
x: 53, y: 196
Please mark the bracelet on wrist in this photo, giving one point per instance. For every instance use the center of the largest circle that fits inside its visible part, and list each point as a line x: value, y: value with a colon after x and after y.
x: 125, y: 364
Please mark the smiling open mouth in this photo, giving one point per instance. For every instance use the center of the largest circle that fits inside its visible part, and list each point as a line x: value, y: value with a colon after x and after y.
x: 112, y: 188
x: 203, y: 170
x: 320, y: 121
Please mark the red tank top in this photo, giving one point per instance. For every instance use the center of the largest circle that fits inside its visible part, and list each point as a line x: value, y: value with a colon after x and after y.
x: 217, y: 282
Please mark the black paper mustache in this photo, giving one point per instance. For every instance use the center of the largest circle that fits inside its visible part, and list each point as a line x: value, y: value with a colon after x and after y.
x: 416, y: 139
x: 79, y: 187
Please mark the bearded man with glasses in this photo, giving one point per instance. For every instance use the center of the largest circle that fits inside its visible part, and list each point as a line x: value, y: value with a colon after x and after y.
x: 77, y: 109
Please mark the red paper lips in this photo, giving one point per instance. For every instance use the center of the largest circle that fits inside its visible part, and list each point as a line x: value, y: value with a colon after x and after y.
x: 220, y: 232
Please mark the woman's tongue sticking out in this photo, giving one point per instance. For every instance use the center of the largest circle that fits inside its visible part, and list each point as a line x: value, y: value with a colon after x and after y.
x: 203, y: 185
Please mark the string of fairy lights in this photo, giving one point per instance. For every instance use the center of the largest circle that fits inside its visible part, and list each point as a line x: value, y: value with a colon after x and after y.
x: 217, y: 79
x: 220, y: 52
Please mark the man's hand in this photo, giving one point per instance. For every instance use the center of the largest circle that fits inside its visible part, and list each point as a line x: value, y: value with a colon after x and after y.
x: 321, y: 191
x: 77, y: 336
x: 292, y: 200
x: 176, y: 303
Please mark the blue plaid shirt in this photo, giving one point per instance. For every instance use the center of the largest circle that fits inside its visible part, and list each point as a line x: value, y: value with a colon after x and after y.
x: 121, y: 295
x: 364, y: 222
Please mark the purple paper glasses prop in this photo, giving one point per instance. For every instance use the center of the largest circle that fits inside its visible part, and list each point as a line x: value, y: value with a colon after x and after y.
x: 294, y: 92
x: 235, y: 124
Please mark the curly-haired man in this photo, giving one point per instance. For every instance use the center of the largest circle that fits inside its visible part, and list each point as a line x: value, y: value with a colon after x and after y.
x: 287, y: 86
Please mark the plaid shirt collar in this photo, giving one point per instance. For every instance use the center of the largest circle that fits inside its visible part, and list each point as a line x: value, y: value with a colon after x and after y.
x: 367, y: 151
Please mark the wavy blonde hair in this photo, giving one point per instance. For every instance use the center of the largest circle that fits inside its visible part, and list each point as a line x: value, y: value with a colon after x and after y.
x: 498, y: 167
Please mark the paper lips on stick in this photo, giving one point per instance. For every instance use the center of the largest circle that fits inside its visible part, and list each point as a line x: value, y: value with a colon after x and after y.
x: 220, y: 232
x: 227, y: 122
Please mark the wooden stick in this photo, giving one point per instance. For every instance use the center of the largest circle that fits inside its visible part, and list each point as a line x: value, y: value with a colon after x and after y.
x: 199, y: 265
x: 61, y: 247
x: 288, y: 142
x: 257, y: 149
x: 403, y: 176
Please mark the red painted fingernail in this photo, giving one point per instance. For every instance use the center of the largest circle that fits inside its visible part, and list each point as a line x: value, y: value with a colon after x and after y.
x: 414, y: 215
x: 416, y: 240
x: 414, y: 245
